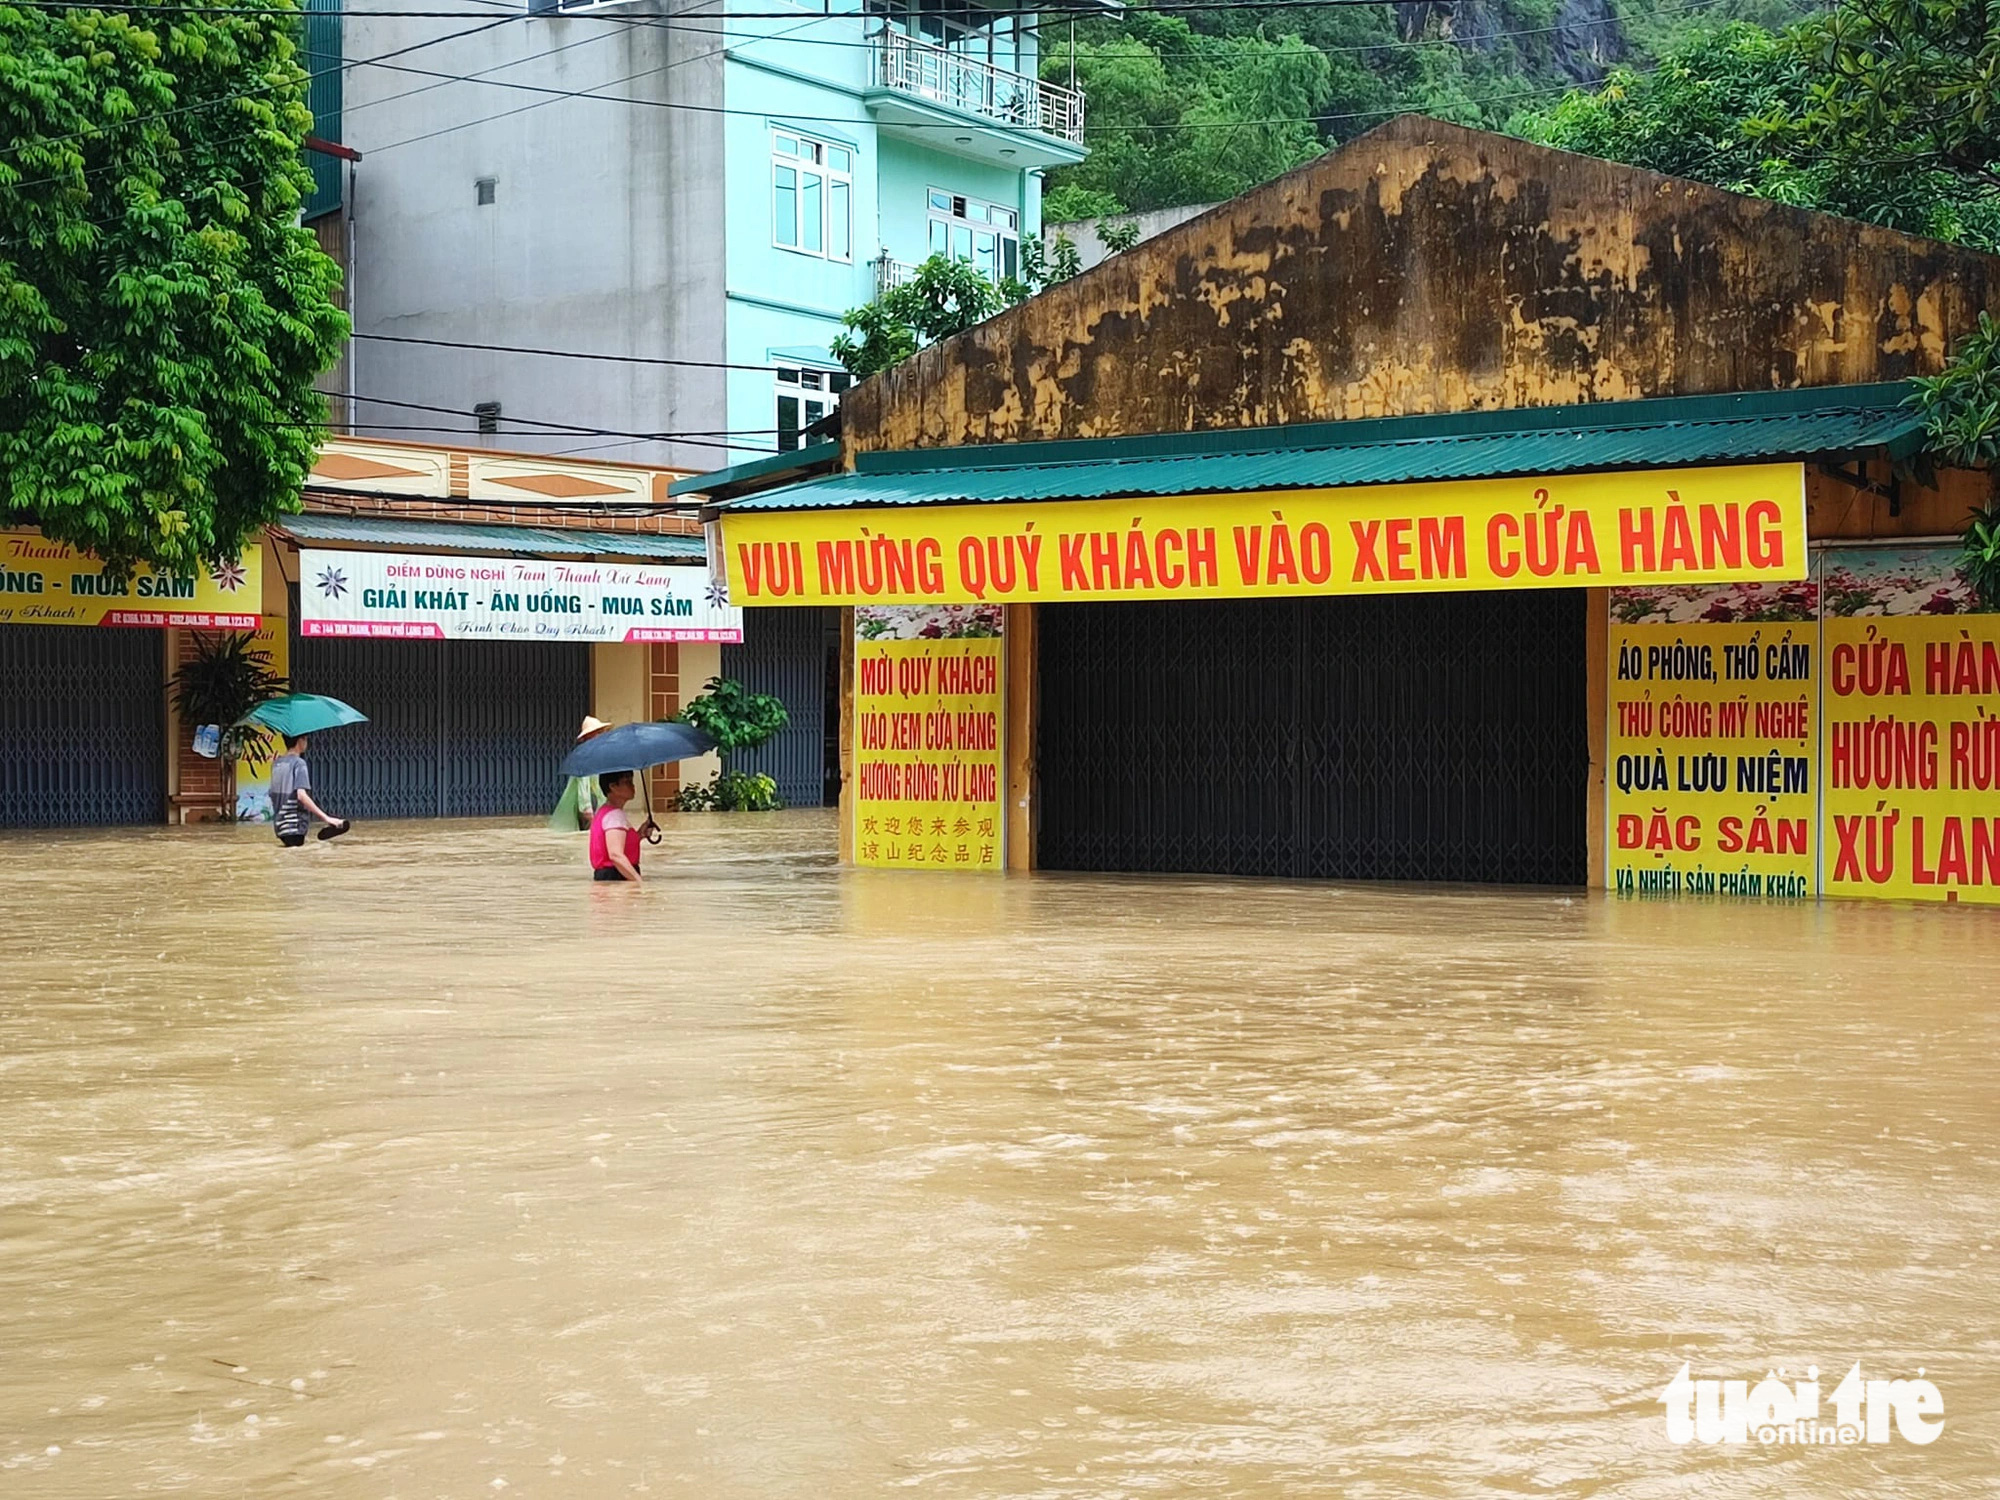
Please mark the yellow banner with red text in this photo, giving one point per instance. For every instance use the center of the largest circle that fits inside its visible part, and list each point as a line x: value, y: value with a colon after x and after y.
x: 51, y: 583
x: 1712, y: 525
x: 929, y: 778
x: 1912, y: 754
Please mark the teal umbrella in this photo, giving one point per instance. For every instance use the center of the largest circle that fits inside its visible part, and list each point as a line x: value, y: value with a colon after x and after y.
x: 303, y: 713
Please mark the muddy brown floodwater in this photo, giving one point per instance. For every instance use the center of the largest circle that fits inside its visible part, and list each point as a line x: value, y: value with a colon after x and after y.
x: 416, y: 1166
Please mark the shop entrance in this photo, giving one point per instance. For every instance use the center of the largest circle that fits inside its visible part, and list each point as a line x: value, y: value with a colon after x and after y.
x: 82, y: 726
x: 456, y: 728
x: 793, y: 654
x: 1428, y: 737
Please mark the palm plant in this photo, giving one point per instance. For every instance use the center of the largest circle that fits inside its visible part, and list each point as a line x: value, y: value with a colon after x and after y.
x: 225, y: 678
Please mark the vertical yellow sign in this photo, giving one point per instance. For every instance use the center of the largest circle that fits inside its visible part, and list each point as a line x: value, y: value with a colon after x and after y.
x: 1713, y: 749
x: 1912, y: 757
x: 929, y: 773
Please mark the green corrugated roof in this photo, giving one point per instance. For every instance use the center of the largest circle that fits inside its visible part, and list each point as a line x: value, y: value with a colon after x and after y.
x: 507, y: 541
x: 1668, y: 432
x: 810, y: 456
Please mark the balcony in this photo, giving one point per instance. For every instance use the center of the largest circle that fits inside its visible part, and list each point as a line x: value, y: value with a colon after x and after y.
x: 953, y: 102
x: 891, y: 273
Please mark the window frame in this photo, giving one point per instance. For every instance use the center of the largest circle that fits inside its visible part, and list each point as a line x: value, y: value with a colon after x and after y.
x: 956, y: 218
x: 812, y: 159
x: 791, y: 382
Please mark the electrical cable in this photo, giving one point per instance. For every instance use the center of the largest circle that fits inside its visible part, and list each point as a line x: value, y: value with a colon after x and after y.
x: 616, y: 359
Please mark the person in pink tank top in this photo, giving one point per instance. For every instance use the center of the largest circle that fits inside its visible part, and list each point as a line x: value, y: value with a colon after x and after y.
x: 614, y: 842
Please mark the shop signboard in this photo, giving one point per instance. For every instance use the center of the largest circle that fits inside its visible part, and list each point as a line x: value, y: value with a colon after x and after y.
x: 1712, y: 742
x: 929, y: 733
x: 411, y: 596
x: 1668, y: 526
x: 1912, y: 738
x: 52, y: 583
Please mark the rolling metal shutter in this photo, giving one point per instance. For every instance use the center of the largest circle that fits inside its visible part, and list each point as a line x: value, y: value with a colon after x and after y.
x: 82, y: 726
x: 1437, y: 737
x: 790, y: 653
x: 456, y: 728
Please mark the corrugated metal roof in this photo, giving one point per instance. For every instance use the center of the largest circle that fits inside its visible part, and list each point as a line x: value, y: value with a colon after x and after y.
x: 1670, y: 433
x: 506, y: 541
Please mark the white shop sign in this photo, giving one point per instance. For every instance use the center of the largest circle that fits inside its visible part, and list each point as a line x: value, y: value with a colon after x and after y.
x: 413, y: 596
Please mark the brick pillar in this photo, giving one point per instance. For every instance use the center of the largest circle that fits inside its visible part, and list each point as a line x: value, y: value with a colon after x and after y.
x: 663, y: 701
x: 197, y: 783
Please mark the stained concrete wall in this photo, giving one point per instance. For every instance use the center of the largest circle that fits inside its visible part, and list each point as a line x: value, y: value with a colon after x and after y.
x: 1424, y: 268
x: 605, y: 233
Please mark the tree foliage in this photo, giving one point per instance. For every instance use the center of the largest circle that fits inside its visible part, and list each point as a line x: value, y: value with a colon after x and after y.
x: 943, y: 297
x: 1176, y: 116
x: 1836, y: 113
x: 224, y: 678
x: 733, y: 716
x: 1196, y: 109
x: 162, y: 314
x: 1961, y: 405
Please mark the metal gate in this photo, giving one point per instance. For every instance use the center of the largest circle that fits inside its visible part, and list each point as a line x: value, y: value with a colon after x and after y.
x: 456, y: 728
x: 1435, y: 737
x: 82, y: 726
x: 793, y: 654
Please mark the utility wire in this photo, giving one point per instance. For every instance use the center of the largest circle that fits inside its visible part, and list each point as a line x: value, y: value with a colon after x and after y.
x: 615, y: 359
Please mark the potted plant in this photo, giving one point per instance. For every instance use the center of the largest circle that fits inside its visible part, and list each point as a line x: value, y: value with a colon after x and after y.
x: 223, y: 680
x: 737, y: 719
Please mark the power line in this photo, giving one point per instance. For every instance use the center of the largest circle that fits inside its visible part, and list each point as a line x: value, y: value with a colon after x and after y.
x: 551, y: 427
x: 616, y: 359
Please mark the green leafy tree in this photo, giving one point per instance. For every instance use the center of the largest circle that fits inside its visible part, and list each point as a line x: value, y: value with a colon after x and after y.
x: 1173, y: 115
x: 162, y: 313
x: 1828, y: 114
x: 736, y: 719
x: 943, y: 297
x: 733, y: 716
x: 1070, y: 204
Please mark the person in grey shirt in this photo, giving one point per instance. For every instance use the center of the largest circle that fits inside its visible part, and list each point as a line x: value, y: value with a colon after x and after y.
x: 292, y: 805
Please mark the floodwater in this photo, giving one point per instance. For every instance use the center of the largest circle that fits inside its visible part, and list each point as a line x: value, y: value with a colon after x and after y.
x: 416, y: 1166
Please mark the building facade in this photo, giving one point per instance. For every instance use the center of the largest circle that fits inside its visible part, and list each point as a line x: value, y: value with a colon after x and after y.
x: 699, y: 196
x: 1449, y: 509
x: 474, y: 604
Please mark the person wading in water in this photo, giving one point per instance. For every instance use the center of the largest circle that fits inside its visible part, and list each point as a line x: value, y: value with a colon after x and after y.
x: 614, y: 842
x: 292, y: 806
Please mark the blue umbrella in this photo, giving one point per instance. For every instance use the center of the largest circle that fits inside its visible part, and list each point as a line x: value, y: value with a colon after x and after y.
x: 295, y: 714
x: 633, y: 747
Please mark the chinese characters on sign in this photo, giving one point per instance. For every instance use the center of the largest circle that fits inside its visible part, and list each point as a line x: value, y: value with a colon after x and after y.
x: 928, y: 768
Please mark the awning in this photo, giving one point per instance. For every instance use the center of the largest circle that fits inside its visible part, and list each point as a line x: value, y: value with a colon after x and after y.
x: 1670, y: 432
x: 502, y: 541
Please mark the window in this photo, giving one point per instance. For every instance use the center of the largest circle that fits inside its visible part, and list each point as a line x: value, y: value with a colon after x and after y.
x: 484, y: 189
x: 812, y: 196
x: 804, y: 396
x: 983, y: 233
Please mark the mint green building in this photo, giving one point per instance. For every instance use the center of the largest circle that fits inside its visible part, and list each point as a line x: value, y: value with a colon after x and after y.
x: 701, y: 195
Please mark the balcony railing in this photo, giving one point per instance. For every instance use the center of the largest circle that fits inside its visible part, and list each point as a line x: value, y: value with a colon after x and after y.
x: 943, y: 76
x: 891, y: 273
